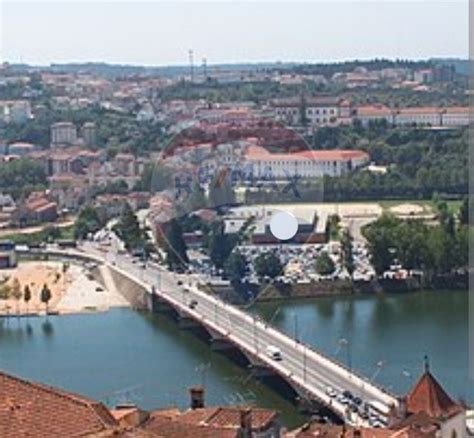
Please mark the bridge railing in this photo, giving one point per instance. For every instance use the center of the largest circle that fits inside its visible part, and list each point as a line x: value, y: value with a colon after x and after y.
x: 334, y: 360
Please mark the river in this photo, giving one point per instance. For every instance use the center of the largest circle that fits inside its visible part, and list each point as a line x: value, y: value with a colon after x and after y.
x: 124, y: 356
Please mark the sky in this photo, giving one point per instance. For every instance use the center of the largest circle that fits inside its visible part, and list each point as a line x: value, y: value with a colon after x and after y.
x: 162, y: 33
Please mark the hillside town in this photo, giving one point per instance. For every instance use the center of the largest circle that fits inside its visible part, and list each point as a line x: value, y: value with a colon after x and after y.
x: 250, y: 219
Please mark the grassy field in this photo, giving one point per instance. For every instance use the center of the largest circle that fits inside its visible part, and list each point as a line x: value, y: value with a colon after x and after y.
x: 46, y: 235
x: 427, y: 205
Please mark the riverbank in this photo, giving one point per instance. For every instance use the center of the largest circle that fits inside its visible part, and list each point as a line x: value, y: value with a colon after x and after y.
x: 73, y: 289
x: 242, y: 294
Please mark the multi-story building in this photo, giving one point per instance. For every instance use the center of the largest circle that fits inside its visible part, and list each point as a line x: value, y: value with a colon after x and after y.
x: 21, y: 149
x: 423, y: 76
x: 367, y: 113
x: 314, y: 111
x: 418, y: 115
x: 455, y: 116
x: 63, y: 134
x: 15, y: 111
x: 423, y: 116
x: 261, y: 164
x: 89, y: 134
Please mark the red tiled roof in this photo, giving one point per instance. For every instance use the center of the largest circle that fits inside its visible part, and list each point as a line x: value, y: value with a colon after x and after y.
x: 260, y: 153
x: 374, y: 110
x: 457, y: 109
x: 420, y: 110
x: 429, y: 397
x: 319, y: 430
x: 229, y: 417
x: 166, y: 427
x: 33, y: 410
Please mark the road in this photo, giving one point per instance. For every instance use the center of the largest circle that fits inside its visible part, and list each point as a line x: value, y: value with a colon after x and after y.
x: 303, y: 367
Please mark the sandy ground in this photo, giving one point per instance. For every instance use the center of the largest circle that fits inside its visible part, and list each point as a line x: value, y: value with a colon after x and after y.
x: 72, y: 291
x: 407, y: 209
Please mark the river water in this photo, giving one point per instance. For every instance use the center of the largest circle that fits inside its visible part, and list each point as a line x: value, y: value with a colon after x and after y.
x: 124, y: 356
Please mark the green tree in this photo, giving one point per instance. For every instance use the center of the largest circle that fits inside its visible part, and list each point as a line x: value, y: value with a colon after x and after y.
x: 235, y: 267
x: 347, y: 253
x: 196, y: 199
x: 268, y: 264
x: 16, y: 293
x: 88, y: 222
x: 45, y: 296
x: 128, y: 229
x: 221, y: 191
x: 5, y: 291
x: 27, y: 296
x: 324, y: 264
x: 220, y: 245
x: 464, y: 212
x: 175, y: 246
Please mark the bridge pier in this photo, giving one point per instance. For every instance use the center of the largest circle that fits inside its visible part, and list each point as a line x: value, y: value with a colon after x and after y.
x: 221, y: 344
x: 260, y: 371
x: 187, y: 323
x: 156, y: 305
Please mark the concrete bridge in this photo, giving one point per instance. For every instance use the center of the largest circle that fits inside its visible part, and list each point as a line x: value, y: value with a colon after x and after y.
x: 306, y: 370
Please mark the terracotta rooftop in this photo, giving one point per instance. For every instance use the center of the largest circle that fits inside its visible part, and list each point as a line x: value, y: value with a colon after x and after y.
x: 313, y: 430
x: 173, y: 427
x: 260, y: 153
x: 229, y: 417
x: 34, y: 410
x: 429, y: 397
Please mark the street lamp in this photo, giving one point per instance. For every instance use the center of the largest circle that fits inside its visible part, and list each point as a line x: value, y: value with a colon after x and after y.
x: 343, y: 342
x: 304, y: 363
x: 295, y: 327
x: 380, y: 365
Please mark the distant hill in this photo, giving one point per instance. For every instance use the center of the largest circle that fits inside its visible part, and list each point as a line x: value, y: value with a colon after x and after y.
x: 326, y: 69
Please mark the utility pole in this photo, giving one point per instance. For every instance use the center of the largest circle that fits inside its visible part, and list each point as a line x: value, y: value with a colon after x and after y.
x: 304, y: 363
x: 204, y: 68
x: 295, y: 316
x: 255, y: 338
x: 191, y: 64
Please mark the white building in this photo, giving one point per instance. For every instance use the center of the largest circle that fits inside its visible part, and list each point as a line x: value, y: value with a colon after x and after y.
x: 423, y: 116
x: 456, y: 116
x: 89, y: 133
x: 419, y: 116
x: 368, y: 113
x: 63, y: 133
x: 262, y: 164
x: 318, y: 111
x: 15, y: 111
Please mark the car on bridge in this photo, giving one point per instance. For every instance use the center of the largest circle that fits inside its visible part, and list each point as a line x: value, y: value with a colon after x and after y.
x: 331, y: 392
x: 274, y: 353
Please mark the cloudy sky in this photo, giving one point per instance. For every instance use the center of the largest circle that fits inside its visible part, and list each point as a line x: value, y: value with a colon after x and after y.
x: 161, y: 33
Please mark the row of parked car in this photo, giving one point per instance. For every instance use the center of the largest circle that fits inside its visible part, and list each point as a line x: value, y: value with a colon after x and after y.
x: 365, y: 410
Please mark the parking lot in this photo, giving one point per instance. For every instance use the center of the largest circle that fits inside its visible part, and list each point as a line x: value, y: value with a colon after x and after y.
x: 298, y: 261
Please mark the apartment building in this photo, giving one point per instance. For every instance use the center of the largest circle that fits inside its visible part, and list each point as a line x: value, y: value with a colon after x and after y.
x: 15, y: 111
x: 424, y: 116
x: 262, y: 164
x: 63, y: 134
x: 315, y: 111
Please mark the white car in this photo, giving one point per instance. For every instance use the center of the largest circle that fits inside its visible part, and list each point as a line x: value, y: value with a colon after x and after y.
x: 274, y: 353
x: 343, y: 399
x: 331, y: 392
